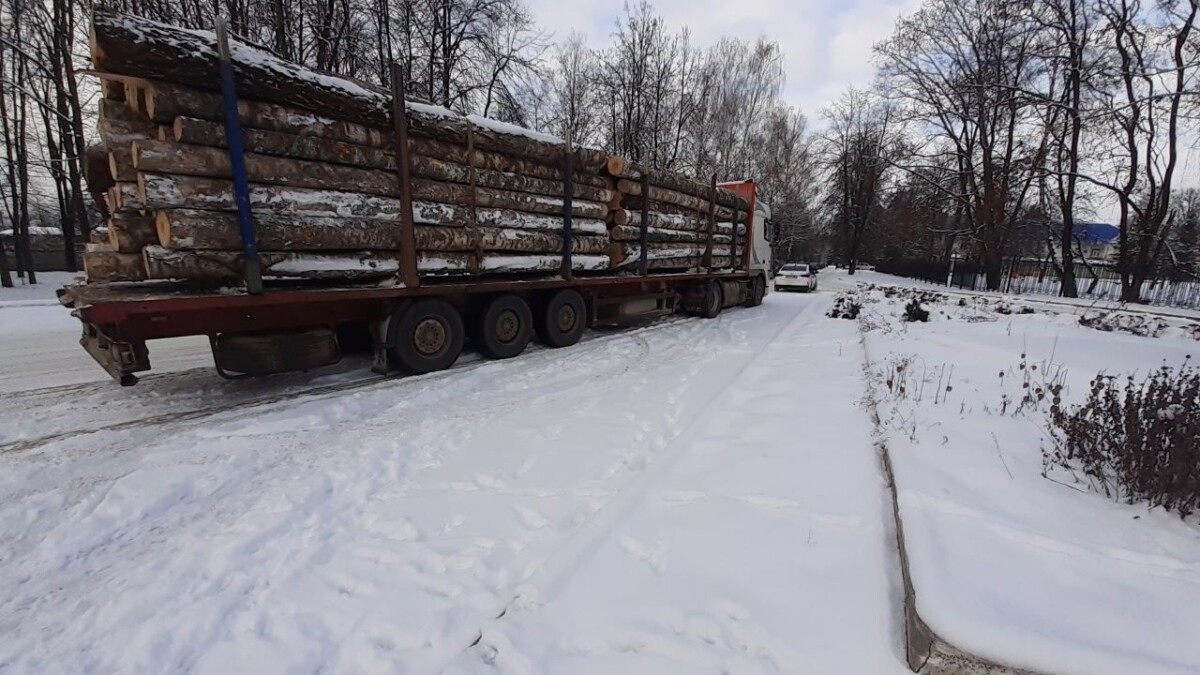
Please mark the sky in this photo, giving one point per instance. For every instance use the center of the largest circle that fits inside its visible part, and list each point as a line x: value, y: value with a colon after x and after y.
x: 827, y: 46
x: 826, y: 43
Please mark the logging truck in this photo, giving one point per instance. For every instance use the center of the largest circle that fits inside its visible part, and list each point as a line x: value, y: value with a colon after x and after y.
x: 410, y: 329
x: 291, y: 215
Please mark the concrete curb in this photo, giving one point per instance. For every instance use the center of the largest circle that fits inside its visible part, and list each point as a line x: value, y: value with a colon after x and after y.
x: 925, y: 652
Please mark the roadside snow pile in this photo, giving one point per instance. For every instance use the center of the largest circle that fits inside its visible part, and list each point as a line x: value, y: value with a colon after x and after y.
x: 1008, y: 561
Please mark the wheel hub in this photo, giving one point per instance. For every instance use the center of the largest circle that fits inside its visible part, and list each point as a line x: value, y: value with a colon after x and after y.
x: 565, y: 318
x: 430, y: 337
x: 508, y: 326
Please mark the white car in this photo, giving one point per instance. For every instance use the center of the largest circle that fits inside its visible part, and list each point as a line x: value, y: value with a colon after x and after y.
x: 796, y: 276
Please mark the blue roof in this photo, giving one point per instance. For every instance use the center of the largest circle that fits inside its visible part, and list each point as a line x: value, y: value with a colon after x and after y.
x: 1093, y: 234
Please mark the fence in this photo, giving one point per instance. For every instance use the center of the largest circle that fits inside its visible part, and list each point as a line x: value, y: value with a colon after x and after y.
x: 1036, y: 277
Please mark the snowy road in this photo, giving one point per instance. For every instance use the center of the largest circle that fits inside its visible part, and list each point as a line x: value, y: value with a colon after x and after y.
x: 665, y: 499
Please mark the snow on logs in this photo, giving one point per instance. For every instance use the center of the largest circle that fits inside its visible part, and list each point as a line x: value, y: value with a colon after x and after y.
x: 320, y: 157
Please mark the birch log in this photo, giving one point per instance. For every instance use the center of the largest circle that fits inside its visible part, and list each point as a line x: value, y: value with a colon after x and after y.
x: 102, y: 264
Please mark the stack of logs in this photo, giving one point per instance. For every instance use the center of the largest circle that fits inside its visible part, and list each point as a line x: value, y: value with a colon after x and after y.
x: 324, y: 188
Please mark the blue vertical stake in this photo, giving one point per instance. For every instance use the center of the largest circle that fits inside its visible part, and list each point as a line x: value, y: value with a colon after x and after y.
x: 252, y: 264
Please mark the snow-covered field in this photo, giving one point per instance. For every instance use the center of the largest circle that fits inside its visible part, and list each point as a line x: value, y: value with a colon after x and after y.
x: 1007, y: 564
x: 690, y: 496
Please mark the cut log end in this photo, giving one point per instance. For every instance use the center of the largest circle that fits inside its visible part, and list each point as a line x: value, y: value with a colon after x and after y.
x: 615, y: 166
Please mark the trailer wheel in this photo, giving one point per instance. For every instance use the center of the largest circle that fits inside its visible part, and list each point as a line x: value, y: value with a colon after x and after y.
x: 505, y: 327
x: 714, y: 300
x: 429, y: 337
x: 758, y: 289
x: 562, y: 319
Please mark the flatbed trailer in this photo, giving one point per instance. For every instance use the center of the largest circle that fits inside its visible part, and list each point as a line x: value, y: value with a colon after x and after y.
x: 410, y: 328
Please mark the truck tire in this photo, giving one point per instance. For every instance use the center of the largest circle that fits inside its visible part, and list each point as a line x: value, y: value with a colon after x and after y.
x: 758, y: 289
x: 428, y: 337
x: 505, y: 327
x: 714, y: 300
x: 562, y: 319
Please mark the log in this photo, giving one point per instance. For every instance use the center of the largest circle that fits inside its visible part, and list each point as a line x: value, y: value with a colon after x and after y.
x: 436, y: 169
x: 119, y: 126
x: 619, y: 167
x: 659, y: 196
x: 660, y: 234
x: 136, y: 46
x: 130, y: 232
x: 166, y: 102
x: 670, y: 221
x: 165, y: 191
x: 102, y: 264
x: 628, y: 254
x: 226, y: 266
x: 125, y: 197
x: 496, y: 263
x: 189, y: 229
x: 431, y: 159
x: 120, y: 165
x: 200, y: 160
x: 453, y: 193
x: 689, y: 262
x: 112, y: 90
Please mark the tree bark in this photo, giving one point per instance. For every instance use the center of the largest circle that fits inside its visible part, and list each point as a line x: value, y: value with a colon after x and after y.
x: 119, y: 126
x: 627, y: 254
x: 199, y: 160
x: 120, y: 164
x: 102, y: 264
x: 632, y: 192
x: 659, y: 234
x: 670, y: 221
x: 125, y: 197
x: 184, y: 229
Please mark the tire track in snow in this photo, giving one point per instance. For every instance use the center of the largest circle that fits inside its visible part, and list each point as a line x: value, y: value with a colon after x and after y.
x: 367, y: 382
x: 564, y: 560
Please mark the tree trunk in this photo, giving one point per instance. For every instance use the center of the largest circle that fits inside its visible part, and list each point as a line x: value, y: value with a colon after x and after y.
x: 620, y: 167
x: 199, y: 160
x: 659, y: 234
x: 102, y: 264
x: 129, y: 232
x: 164, y: 191
x: 218, y: 230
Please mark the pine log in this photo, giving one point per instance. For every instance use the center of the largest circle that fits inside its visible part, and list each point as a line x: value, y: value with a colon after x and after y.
x: 689, y: 262
x: 658, y: 196
x: 125, y: 197
x: 226, y: 266
x: 453, y: 193
x: 200, y: 160
x: 436, y: 169
x: 431, y: 159
x: 619, y: 167
x: 165, y: 102
x: 218, y: 230
x: 458, y: 153
x: 660, y: 234
x: 496, y: 263
x: 96, y: 170
x: 120, y: 165
x: 129, y: 232
x: 102, y: 264
x: 670, y: 221
x: 627, y: 254
x: 119, y: 126
x: 141, y: 47
x: 165, y: 191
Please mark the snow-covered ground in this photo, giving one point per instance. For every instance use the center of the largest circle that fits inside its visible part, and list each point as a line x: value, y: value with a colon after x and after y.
x: 39, y: 344
x: 690, y: 496
x: 1007, y: 564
